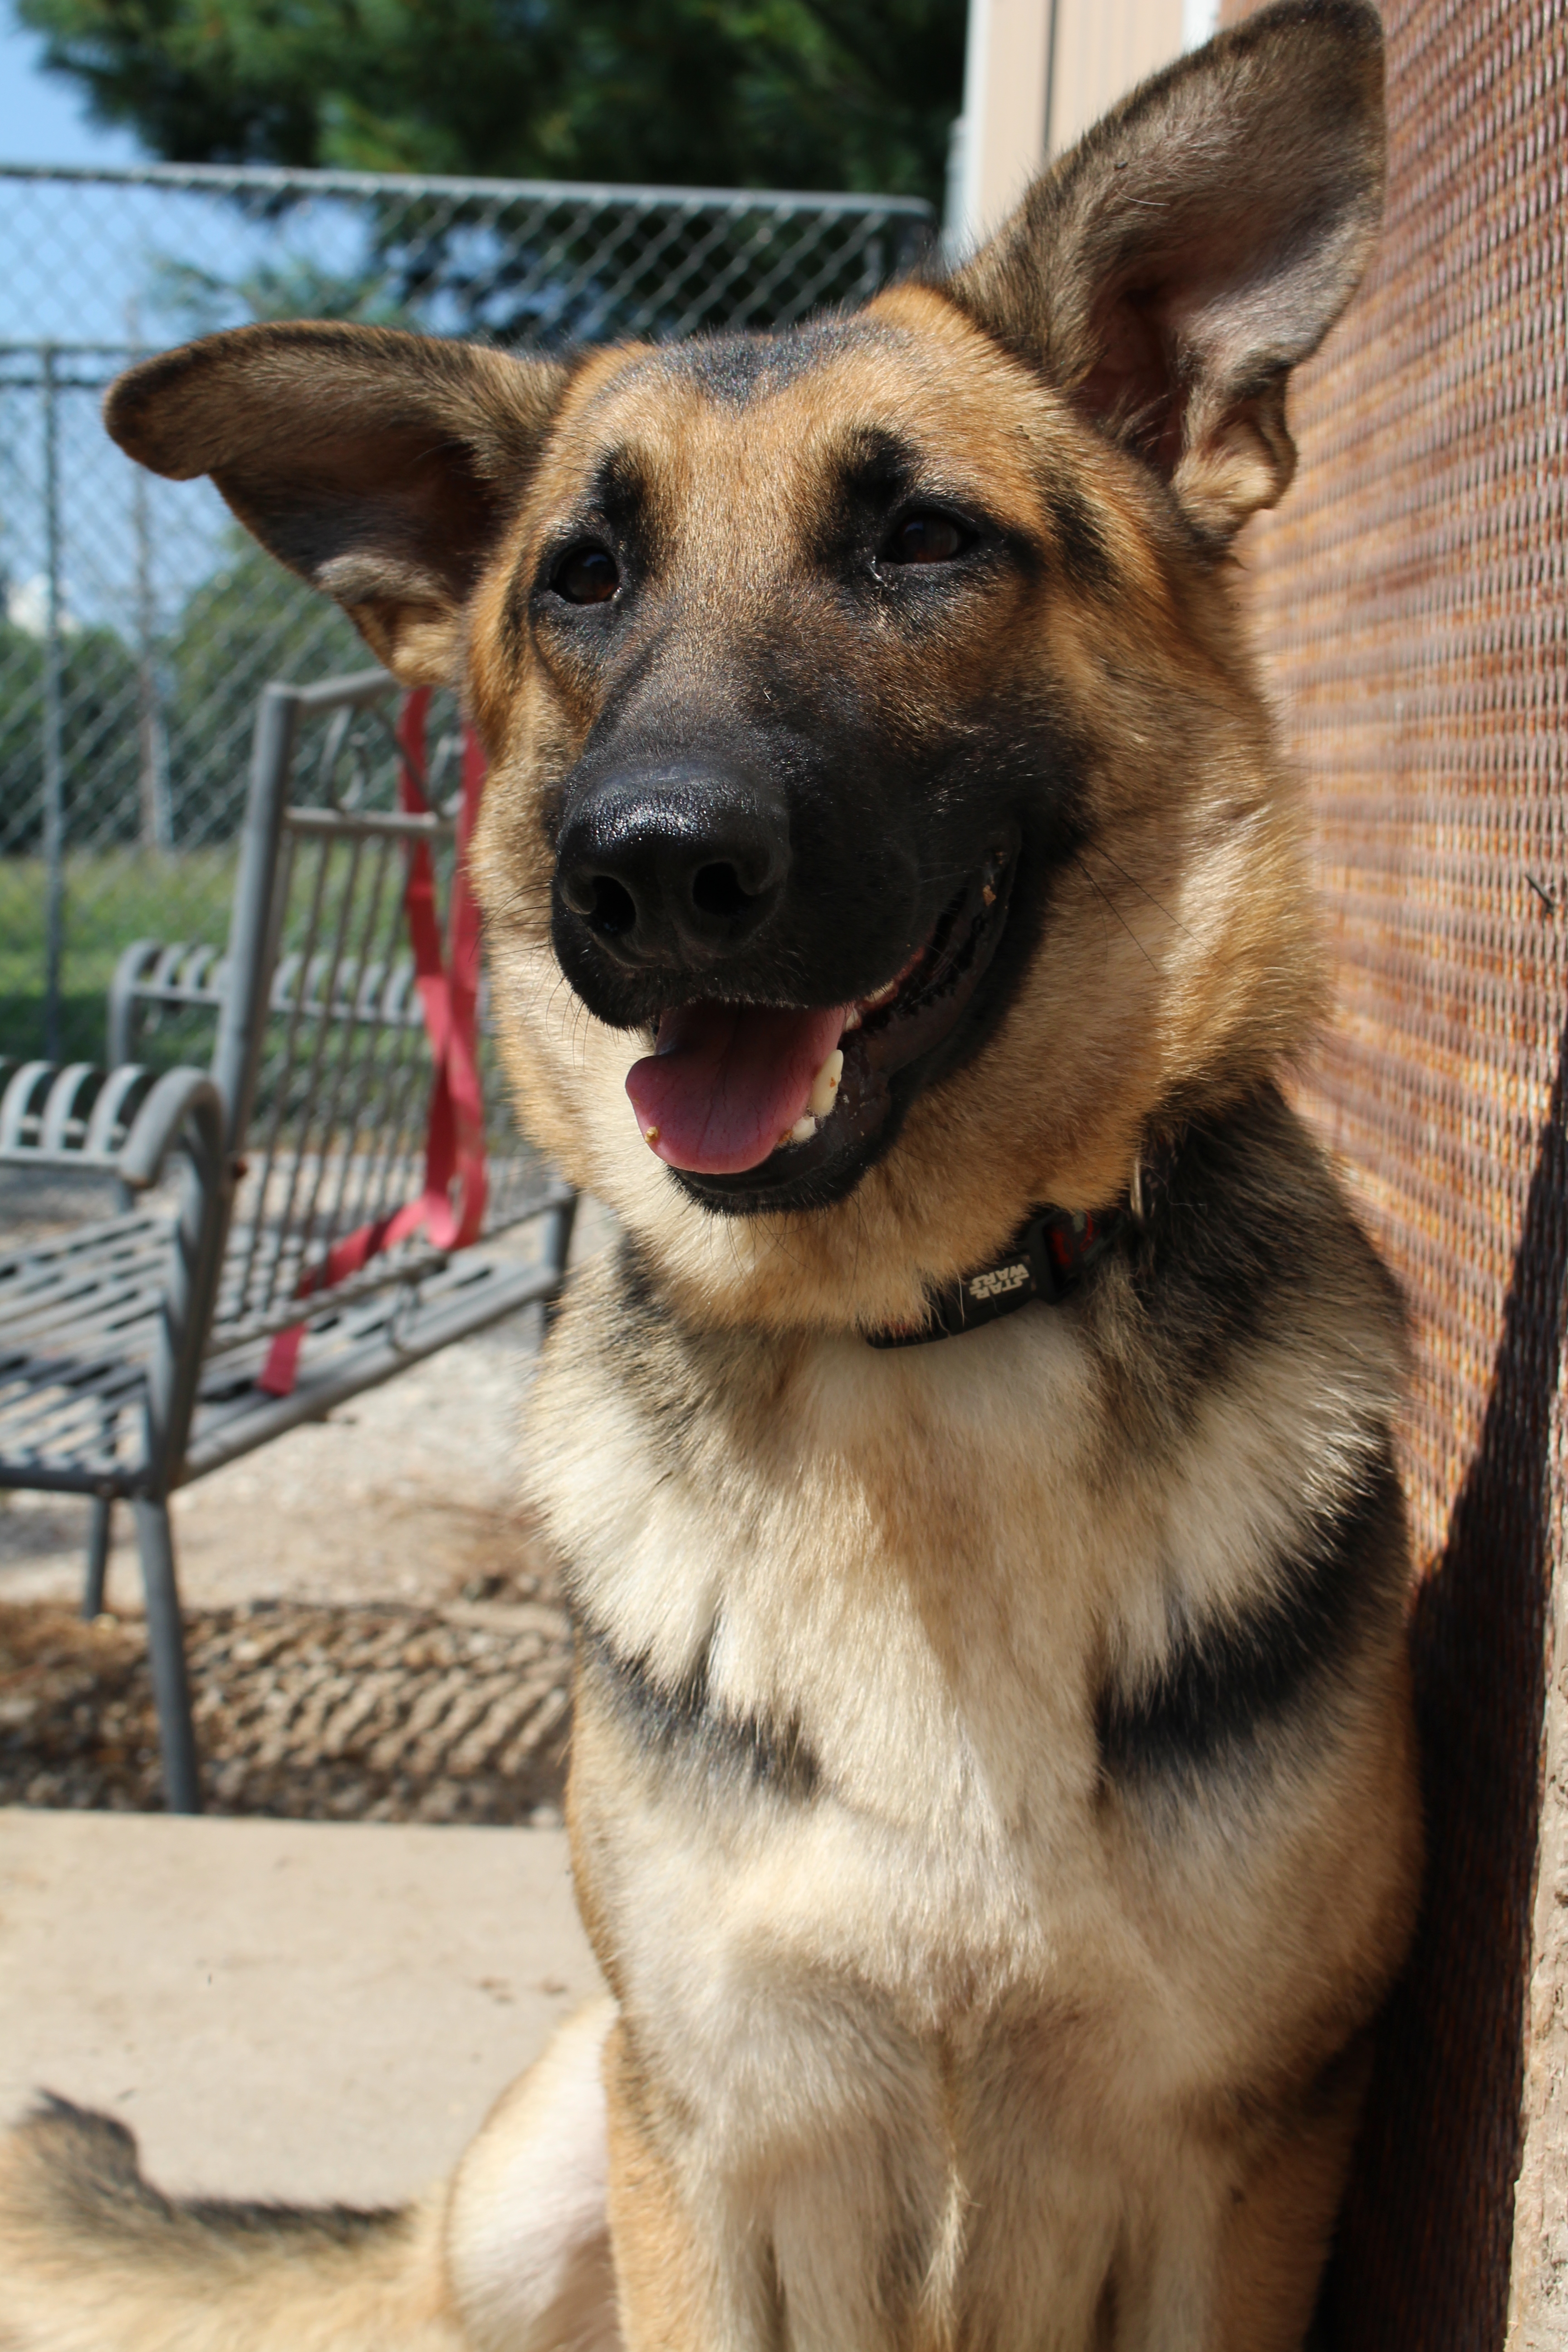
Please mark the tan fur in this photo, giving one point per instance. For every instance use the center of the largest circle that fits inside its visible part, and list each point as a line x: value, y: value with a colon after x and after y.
x: 912, y: 1611
x: 1195, y: 944
x: 993, y: 1796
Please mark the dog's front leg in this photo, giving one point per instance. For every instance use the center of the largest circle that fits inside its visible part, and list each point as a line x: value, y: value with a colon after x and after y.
x: 682, y: 2287
x: 1165, y: 2287
x: 1235, y: 2253
x: 1278, y: 2229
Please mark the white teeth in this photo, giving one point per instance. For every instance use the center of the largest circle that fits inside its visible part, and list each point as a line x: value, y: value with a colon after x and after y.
x: 825, y: 1086
x: 823, y: 1089
x: 852, y: 1020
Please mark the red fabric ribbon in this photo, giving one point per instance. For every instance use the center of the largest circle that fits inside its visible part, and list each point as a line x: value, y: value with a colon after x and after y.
x: 451, y: 1208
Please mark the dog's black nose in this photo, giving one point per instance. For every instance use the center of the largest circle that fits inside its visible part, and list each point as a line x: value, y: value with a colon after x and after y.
x: 673, y: 868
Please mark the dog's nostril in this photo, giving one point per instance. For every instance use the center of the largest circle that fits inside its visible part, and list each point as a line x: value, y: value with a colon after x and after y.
x: 613, y: 910
x: 656, y: 871
x: 717, y: 890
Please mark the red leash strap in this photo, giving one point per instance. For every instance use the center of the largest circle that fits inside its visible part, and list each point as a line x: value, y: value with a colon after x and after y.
x: 451, y: 1208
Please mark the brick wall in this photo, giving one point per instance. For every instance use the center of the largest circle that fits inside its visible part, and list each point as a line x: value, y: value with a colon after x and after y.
x: 1411, y: 605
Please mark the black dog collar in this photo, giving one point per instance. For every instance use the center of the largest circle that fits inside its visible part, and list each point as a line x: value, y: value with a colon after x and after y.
x: 1049, y: 1260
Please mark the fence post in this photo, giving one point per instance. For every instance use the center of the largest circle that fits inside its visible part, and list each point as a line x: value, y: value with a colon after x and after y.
x: 54, y: 761
x: 156, y: 828
x: 157, y: 825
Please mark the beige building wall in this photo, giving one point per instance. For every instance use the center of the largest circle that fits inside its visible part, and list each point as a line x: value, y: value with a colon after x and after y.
x: 1101, y: 48
x: 1006, y: 95
x: 1036, y: 73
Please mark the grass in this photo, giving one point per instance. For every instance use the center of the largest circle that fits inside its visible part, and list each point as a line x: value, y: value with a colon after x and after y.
x: 111, y: 898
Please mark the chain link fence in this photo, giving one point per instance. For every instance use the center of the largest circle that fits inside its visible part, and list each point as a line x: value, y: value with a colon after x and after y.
x: 137, y: 623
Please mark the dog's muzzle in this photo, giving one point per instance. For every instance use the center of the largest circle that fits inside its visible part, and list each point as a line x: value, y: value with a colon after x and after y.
x: 683, y: 909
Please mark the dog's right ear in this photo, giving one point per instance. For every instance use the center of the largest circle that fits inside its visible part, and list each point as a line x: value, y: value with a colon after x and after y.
x: 1169, y: 271
x: 381, y: 467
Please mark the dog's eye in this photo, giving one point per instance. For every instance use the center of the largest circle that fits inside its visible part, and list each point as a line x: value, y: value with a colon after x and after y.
x: 586, y: 575
x: 925, y: 538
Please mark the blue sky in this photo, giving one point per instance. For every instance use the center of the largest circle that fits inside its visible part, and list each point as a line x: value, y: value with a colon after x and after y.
x: 41, y: 120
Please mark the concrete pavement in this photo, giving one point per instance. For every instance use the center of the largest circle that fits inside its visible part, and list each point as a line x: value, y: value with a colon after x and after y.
x: 301, y: 2010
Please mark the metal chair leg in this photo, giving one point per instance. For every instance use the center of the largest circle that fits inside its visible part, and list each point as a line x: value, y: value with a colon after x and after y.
x: 96, y: 1556
x: 166, y: 1646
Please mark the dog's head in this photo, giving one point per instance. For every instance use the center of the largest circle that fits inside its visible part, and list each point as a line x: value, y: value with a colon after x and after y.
x: 880, y: 796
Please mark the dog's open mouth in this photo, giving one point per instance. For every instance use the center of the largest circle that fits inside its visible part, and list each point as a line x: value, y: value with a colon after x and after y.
x: 745, y: 1100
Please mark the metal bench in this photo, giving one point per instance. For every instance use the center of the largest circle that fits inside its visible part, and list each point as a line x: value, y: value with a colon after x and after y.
x: 353, y: 1196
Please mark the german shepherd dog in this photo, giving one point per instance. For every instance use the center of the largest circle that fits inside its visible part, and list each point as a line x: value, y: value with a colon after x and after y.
x: 993, y: 1797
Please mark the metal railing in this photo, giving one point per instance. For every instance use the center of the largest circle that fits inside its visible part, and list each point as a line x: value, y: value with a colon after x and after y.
x: 137, y: 623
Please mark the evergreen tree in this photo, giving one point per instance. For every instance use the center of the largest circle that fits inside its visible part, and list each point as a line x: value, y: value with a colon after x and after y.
x: 855, y: 94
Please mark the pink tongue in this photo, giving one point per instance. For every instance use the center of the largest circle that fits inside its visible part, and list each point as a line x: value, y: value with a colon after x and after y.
x: 726, y: 1081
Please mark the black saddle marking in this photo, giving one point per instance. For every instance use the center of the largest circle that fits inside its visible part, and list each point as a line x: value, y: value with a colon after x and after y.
x: 1226, y: 1678
x: 682, y: 1727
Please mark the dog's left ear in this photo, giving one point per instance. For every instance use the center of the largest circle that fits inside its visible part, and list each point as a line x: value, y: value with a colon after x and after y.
x: 384, y: 467
x: 1196, y: 245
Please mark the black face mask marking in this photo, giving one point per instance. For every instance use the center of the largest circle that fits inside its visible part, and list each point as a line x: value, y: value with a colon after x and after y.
x: 760, y: 817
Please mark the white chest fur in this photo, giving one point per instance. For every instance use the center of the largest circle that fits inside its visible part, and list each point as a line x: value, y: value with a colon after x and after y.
x: 917, y: 1569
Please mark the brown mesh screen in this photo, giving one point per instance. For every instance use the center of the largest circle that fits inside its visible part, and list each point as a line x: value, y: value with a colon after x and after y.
x: 1411, y: 606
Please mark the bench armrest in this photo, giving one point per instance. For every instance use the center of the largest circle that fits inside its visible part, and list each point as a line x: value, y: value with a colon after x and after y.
x: 123, y: 1122
x: 179, y: 1096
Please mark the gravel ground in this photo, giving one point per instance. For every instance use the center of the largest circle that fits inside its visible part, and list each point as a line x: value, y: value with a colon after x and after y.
x: 373, y: 1631
x: 371, y: 1712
